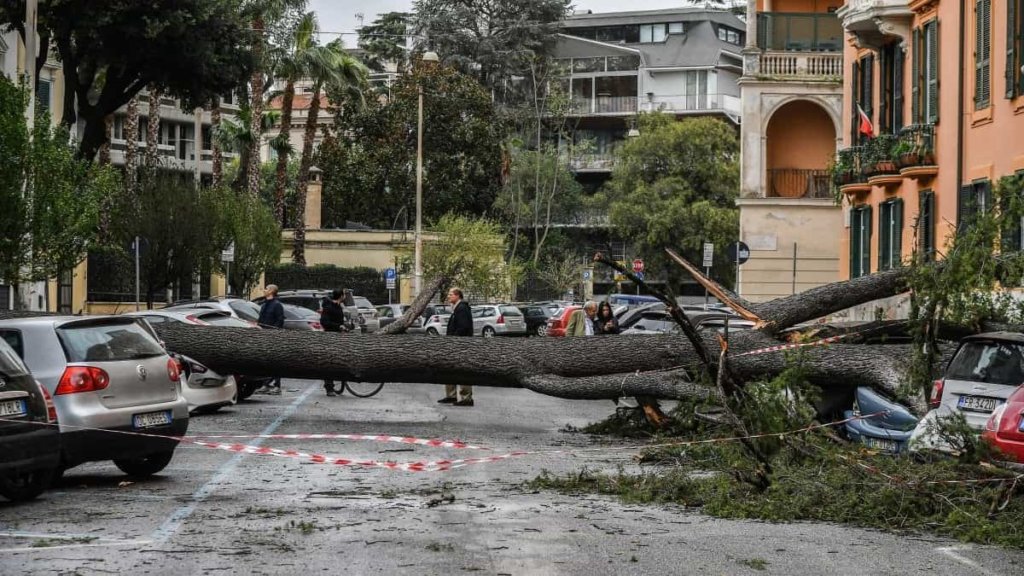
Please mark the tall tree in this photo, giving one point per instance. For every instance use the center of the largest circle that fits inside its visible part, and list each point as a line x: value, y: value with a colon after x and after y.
x: 131, y: 145
x: 346, y: 76
x: 217, y: 155
x: 675, y: 186
x: 384, y: 41
x: 153, y: 127
x: 194, y: 49
x: 492, y: 39
x: 369, y: 159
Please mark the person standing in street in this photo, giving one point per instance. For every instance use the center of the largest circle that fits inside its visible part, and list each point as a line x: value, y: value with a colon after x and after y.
x: 605, y: 321
x: 332, y: 318
x: 581, y: 323
x: 460, y: 324
x: 271, y: 316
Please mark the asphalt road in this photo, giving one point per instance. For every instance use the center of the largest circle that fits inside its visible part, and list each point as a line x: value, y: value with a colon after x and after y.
x: 217, y: 512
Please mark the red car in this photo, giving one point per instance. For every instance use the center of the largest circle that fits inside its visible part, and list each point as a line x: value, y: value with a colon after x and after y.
x: 558, y: 322
x: 1005, y: 428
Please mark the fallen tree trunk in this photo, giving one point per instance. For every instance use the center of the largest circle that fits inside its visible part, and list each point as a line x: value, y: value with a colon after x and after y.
x: 586, y: 368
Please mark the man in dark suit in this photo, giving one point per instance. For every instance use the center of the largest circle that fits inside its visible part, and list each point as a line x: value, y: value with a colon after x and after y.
x: 460, y: 324
x: 271, y: 316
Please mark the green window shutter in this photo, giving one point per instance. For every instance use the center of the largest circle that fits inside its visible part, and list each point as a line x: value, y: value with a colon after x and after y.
x: 965, y: 205
x: 932, y: 73
x: 1011, y: 228
x: 982, y: 54
x: 854, y: 96
x: 926, y: 224
x: 884, y: 214
x: 1011, y: 48
x: 897, y: 233
x: 897, y: 89
x: 915, y: 77
x: 855, y: 242
x: 884, y: 74
x: 868, y: 101
x: 866, y: 250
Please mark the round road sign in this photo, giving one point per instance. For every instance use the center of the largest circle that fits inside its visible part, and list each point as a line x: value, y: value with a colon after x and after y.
x: 739, y: 253
x: 638, y: 266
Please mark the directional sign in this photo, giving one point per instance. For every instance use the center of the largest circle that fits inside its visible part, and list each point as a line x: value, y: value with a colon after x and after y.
x: 739, y: 252
x: 228, y: 254
x: 709, y: 254
x: 638, y: 266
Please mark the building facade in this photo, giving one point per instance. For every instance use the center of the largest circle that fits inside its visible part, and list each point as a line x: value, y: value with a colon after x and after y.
x: 683, y: 61
x: 934, y: 117
x: 792, y: 98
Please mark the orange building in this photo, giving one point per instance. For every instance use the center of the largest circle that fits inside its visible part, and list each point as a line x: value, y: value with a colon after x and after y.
x: 934, y: 95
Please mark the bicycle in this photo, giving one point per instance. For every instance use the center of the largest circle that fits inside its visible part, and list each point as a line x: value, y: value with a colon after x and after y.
x: 360, y: 389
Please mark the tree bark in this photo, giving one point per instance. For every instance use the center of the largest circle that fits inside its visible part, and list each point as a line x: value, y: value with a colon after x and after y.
x: 282, y: 158
x: 131, y: 146
x: 299, y: 237
x: 256, y: 109
x: 108, y: 129
x: 153, y: 128
x: 217, y: 159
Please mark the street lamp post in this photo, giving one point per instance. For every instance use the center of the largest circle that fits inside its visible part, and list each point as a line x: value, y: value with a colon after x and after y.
x: 418, y: 258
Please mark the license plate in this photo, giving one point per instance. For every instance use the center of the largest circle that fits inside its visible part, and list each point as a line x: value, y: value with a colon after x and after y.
x: 150, y: 419
x: 881, y: 444
x: 978, y: 403
x: 13, y: 408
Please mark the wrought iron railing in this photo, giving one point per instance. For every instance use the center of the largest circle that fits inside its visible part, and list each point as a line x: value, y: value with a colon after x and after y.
x: 916, y: 146
x: 848, y: 166
x: 799, y: 183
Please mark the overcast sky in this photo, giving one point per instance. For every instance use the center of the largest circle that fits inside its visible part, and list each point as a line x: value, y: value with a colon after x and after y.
x: 342, y: 15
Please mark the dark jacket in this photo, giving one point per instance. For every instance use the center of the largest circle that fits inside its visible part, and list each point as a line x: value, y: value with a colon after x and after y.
x: 461, y: 322
x: 332, y: 316
x: 271, y: 314
x: 606, y: 325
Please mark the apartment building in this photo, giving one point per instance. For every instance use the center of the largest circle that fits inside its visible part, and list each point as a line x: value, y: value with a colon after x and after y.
x: 792, y: 123
x: 934, y: 117
x: 683, y: 61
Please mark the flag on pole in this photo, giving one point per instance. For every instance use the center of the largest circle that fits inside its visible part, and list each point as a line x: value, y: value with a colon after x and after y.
x: 865, y: 127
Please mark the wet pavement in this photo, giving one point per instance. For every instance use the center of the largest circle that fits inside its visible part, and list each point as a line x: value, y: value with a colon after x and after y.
x: 218, y: 512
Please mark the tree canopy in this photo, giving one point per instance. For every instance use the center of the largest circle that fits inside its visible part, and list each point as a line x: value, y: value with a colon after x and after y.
x: 369, y: 160
x: 193, y: 50
x: 675, y: 186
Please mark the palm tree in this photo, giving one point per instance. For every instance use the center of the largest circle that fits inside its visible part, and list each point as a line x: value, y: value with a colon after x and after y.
x: 131, y: 146
x: 347, y: 76
x: 236, y: 136
x: 217, y: 158
x: 153, y: 127
x: 260, y: 12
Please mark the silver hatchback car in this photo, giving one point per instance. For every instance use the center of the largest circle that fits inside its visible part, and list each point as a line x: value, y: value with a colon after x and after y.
x: 498, y: 320
x: 116, y: 391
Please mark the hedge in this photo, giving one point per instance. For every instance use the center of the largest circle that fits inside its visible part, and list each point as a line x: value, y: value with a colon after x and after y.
x: 363, y: 280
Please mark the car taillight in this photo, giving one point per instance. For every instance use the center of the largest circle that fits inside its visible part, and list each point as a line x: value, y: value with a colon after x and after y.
x: 51, y: 408
x: 435, y: 318
x: 197, y: 367
x: 501, y: 318
x: 936, y: 398
x: 82, y: 379
x: 173, y: 370
x: 992, y: 425
x: 316, y: 326
x: 193, y: 319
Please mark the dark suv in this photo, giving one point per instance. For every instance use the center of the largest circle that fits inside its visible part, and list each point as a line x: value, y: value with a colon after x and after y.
x: 29, y: 437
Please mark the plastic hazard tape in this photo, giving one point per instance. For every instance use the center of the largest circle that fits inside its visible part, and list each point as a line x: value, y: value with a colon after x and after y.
x: 431, y: 442
x: 780, y: 347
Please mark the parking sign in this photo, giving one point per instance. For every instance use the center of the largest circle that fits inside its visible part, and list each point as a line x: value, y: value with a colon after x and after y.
x: 709, y: 254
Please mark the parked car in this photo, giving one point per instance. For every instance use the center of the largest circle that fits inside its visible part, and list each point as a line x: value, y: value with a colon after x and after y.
x: 559, y: 320
x: 299, y: 318
x: 105, y: 373
x: 433, y: 321
x: 311, y: 299
x: 631, y: 299
x: 237, y: 307
x: 536, y: 317
x: 388, y: 313
x: 985, y: 370
x: 498, y: 320
x: 656, y: 321
x: 889, y: 431
x: 205, y: 390
x: 29, y: 447
x: 203, y: 394
x: 1005, y: 427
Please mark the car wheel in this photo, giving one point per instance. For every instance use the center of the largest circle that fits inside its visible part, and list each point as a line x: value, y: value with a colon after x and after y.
x: 26, y: 485
x: 247, y: 389
x: 541, y: 330
x: 488, y: 332
x: 145, y: 466
x: 432, y: 332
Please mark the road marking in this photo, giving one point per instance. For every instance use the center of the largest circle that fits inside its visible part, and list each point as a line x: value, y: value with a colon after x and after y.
x: 92, y: 541
x: 951, y: 551
x: 174, y: 522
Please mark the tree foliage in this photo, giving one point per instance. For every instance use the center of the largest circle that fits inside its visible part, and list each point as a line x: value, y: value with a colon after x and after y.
x: 675, y: 186
x: 384, y: 41
x: 369, y: 159
x: 192, y: 49
x: 489, y: 39
x: 51, y: 199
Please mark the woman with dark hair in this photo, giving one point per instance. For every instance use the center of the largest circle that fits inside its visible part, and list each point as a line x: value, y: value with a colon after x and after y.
x: 332, y: 318
x: 605, y: 321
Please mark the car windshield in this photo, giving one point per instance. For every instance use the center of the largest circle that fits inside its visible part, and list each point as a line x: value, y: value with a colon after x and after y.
x: 107, y: 341
x: 299, y: 313
x: 246, y: 310
x: 510, y: 311
x: 362, y: 302
x: 223, y: 319
x: 989, y: 362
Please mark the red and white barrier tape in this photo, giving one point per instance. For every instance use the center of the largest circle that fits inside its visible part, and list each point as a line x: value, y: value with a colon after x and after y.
x: 431, y: 442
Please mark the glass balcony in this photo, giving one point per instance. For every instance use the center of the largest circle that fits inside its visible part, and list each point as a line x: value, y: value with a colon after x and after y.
x: 812, y: 32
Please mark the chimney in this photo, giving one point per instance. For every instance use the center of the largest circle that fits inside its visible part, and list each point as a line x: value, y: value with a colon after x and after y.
x: 314, y: 196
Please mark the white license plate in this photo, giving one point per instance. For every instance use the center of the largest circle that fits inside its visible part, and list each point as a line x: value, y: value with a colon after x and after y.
x: 13, y: 408
x: 883, y: 444
x: 978, y: 403
x: 150, y: 419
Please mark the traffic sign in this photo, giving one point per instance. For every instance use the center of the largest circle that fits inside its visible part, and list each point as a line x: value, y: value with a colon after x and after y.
x: 621, y: 277
x: 389, y: 273
x: 587, y: 273
x: 639, y: 275
x: 228, y: 254
x: 739, y: 253
x: 638, y: 266
x: 709, y: 254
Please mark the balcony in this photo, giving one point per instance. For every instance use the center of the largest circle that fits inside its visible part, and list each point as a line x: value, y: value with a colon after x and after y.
x: 795, y: 32
x: 603, y: 105
x: 592, y: 163
x: 877, y: 22
x: 799, y: 183
x: 848, y: 170
x: 693, y: 103
x: 796, y: 66
x: 914, y: 153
